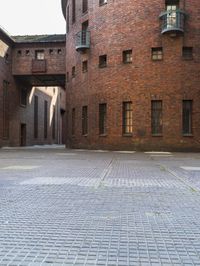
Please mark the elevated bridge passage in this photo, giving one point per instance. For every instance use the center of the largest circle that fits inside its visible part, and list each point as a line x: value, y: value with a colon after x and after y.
x: 39, y: 60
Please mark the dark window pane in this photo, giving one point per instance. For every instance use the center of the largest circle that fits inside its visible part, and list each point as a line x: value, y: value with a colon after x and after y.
x: 102, y: 118
x: 187, y: 117
x: 156, y: 117
x: 127, y: 118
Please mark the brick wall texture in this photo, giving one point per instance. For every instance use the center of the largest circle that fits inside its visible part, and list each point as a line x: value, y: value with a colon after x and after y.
x: 124, y: 25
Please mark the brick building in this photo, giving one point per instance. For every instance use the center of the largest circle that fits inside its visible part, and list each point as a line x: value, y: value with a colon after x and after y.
x: 32, y: 94
x: 133, y: 74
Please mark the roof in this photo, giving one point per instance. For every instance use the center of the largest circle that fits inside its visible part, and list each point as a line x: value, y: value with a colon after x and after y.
x: 39, y: 38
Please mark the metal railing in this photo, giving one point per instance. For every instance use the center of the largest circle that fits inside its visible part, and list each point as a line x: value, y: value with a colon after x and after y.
x: 82, y: 40
x: 173, y: 21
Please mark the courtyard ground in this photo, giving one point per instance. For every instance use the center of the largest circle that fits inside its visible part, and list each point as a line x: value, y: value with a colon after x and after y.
x: 98, y: 208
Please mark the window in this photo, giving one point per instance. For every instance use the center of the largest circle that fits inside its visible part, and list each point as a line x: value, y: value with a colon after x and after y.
x: 59, y: 51
x: 50, y: 51
x: 187, y: 53
x: 84, y: 120
x: 187, y: 117
x: 127, y: 118
x: 45, y: 119
x: 102, y: 2
x: 127, y: 57
x: 19, y: 52
x: 35, y: 116
x: 73, y: 11
x: 54, y: 123
x: 84, y: 6
x: 5, y: 110
x: 39, y: 54
x: 73, y: 72
x: 102, y: 61
x: 23, y: 97
x: 172, y: 6
x: 27, y: 52
x: 156, y: 117
x: 102, y: 118
x: 73, y: 120
x: 157, y: 53
x: 85, y: 66
x: 67, y: 19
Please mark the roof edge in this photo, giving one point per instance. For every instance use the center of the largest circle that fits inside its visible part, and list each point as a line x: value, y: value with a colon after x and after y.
x: 64, y: 4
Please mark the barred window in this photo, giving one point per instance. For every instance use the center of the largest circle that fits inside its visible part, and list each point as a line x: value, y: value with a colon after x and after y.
x: 187, y: 117
x: 35, y: 116
x: 102, y: 118
x: 5, y: 109
x: 73, y: 120
x: 127, y: 118
x: 156, y: 117
x: 45, y: 119
x: 187, y: 53
x: 84, y: 120
x: 127, y: 57
x: 157, y: 53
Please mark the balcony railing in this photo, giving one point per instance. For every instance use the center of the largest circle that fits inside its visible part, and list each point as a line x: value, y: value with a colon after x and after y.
x: 173, y: 21
x: 39, y: 66
x: 82, y: 40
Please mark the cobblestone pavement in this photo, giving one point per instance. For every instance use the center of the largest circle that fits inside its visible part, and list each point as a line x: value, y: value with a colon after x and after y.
x: 98, y: 208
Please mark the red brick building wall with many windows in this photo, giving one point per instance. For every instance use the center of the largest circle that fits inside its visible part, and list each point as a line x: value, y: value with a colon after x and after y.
x: 141, y: 59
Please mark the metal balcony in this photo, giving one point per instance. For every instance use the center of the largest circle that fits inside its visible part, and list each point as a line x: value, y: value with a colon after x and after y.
x: 39, y: 66
x: 173, y: 21
x: 82, y: 41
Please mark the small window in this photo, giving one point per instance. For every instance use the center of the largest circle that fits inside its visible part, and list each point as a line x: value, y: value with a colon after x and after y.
x: 187, y: 53
x: 27, y: 52
x: 73, y: 72
x: 102, y: 118
x: 156, y: 117
x: 59, y: 51
x: 23, y: 97
x: 19, y: 52
x: 84, y: 6
x: 39, y: 54
x: 102, y: 61
x: 157, y: 53
x: 102, y: 2
x: 127, y: 117
x: 50, y: 51
x: 187, y: 117
x: 127, y: 57
x: 73, y: 120
x: 84, y: 120
x: 85, y: 66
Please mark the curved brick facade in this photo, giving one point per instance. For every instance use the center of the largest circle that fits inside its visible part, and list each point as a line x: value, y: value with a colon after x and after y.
x: 173, y: 81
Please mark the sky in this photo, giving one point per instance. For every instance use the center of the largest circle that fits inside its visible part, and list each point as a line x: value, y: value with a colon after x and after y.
x: 30, y: 17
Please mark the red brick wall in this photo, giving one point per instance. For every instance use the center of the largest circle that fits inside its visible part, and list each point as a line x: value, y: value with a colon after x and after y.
x: 134, y: 24
x: 55, y: 62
